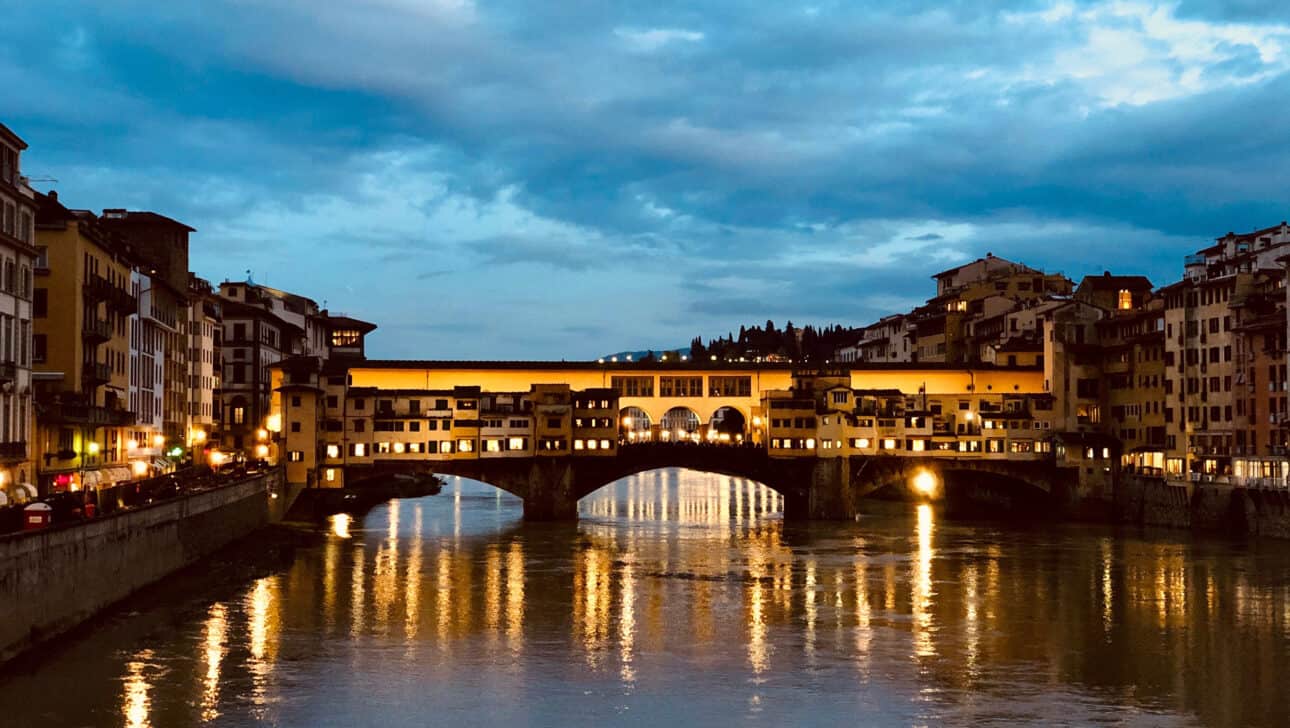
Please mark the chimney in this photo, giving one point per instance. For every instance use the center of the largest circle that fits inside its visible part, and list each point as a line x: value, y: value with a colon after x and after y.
x: 53, y: 195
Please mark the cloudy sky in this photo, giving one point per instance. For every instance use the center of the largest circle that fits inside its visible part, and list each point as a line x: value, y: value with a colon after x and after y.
x: 518, y: 179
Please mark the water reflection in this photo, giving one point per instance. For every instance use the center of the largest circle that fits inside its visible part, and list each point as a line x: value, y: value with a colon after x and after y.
x: 683, y: 598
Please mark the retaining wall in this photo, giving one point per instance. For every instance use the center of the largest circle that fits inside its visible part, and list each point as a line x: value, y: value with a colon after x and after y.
x: 52, y: 580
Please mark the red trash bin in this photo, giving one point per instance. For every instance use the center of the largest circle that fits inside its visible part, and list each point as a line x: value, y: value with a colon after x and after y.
x: 37, y: 516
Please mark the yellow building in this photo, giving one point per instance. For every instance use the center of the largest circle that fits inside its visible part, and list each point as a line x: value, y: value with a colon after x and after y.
x: 83, y: 302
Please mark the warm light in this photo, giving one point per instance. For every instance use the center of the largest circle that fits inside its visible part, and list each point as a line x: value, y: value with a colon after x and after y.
x: 262, y: 451
x: 925, y: 482
x: 340, y: 525
x: 330, y: 474
x: 131, y: 444
x: 218, y: 458
x: 333, y: 451
x: 93, y: 448
x: 810, y: 443
x: 158, y: 440
x: 261, y: 434
x: 627, y: 422
x: 756, y: 421
x: 969, y: 416
x: 140, y: 467
x: 398, y: 447
x: 680, y: 433
x: 199, y: 436
x: 274, y: 423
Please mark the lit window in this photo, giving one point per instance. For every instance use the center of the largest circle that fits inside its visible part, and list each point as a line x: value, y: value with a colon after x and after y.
x: 1126, y: 299
x: 493, y: 445
x: 414, y: 447
x: 398, y: 447
x: 333, y: 451
x: 604, y: 445
x: 888, y: 444
x: 360, y: 449
x: 591, y: 444
x: 515, y: 443
x: 577, y: 445
x: 330, y: 474
x: 861, y: 442
x: 917, y: 445
x: 465, y: 446
x: 810, y: 444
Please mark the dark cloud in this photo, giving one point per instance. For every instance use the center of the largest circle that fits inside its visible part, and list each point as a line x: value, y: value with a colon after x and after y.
x: 609, y: 173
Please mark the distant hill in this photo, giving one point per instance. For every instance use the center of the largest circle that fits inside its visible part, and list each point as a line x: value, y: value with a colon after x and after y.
x: 638, y: 355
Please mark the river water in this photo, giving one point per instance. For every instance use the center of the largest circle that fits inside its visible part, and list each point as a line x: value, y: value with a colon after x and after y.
x: 683, y: 598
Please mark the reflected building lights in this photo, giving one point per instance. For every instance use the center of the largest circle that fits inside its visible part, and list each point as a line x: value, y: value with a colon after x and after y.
x: 627, y: 623
x: 136, y: 703
x: 262, y: 631
x: 515, y: 598
x: 922, y: 587
x: 412, y: 581
x: 216, y: 632
x: 812, y: 612
x: 864, y: 630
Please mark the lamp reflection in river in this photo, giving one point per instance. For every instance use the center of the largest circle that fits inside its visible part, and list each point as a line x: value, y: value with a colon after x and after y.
x: 627, y: 623
x: 864, y: 631
x: 213, y: 652
x: 812, y: 612
x: 515, y: 598
x: 263, y: 631
x: 136, y: 704
x: 412, y: 582
x: 922, y: 592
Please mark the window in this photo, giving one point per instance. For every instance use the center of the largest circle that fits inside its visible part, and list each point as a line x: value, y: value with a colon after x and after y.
x: 40, y: 303
x: 295, y: 401
x: 680, y: 386
x: 295, y: 427
x: 333, y: 451
x: 730, y: 386
x: 239, y: 415
x: 1126, y: 299
x: 633, y: 386
x: 296, y: 456
x: 329, y: 474
x: 39, y: 347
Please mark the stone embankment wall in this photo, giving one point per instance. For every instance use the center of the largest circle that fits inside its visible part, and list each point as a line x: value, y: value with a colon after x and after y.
x: 52, y: 580
x: 1204, y: 507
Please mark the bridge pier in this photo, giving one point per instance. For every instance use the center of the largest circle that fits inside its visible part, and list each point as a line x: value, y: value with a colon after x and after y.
x: 551, y: 492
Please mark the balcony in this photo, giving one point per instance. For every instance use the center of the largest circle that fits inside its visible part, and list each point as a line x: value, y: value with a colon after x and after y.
x: 77, y: 413
x: 8, y: 371
x: 96, y: 331
x: 94, y: 374
x: 98, y: 288
x: 13, y: 451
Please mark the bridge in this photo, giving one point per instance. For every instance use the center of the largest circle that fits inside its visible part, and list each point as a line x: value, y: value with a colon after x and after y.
x: 551, y: 433
x: 813, y: 488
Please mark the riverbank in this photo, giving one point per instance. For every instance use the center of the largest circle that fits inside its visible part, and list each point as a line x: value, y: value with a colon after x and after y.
x: 55, y: 579
x: 1206, y: 507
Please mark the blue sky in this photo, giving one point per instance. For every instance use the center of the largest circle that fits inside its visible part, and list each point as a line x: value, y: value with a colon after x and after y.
x: 515, y: 179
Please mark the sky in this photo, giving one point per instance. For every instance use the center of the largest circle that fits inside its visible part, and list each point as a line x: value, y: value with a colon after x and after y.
x: 515, y: 179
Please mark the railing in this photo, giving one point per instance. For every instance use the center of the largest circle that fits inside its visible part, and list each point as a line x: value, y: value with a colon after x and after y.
x: 13, y: 450
x: 85, y: 414
x: 96, y: 330
x: 97, y: 373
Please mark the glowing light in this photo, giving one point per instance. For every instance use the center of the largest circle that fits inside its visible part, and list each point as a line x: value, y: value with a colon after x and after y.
x: 627, y: 421
x: 398, y: 447
x: 131, y: 444
x: 199, y: 436
x: 262, y: 451
x: 158, y: 440
x: 340, y: 525
x: 756, y: 421
x: 925, y: 482
x: 139, y: 467
x: 261, y: 434
x: 218, y: 458
x: 93, y: 448
x: 969, y: 416
x: 273, y: 423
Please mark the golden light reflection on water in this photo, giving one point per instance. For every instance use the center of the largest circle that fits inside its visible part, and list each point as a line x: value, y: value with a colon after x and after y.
x: 136, y: 704
x: 515, y: 598
x: 213, y: 647
x: 262, y: 632
x: 921, y: 601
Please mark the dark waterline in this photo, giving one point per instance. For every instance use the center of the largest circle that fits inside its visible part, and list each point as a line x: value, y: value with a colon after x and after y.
x: 683, y: 599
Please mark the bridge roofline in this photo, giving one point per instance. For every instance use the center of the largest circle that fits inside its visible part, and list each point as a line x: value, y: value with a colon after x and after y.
x: 501, y: 365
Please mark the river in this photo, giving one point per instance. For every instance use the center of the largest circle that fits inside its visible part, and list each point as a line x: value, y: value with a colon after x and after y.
x: 682, y: 598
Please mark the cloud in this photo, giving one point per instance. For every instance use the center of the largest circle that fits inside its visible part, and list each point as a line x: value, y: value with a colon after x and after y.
x: 564, y: 179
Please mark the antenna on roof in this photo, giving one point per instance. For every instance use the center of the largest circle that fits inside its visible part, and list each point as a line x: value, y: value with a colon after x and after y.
x: 248, y: 277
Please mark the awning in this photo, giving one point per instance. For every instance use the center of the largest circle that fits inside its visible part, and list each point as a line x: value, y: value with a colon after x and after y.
x: 4, y: 498
x: 28, y: 488
x: 161, y: 464
x: 90, y: 479
x: 120, y: 475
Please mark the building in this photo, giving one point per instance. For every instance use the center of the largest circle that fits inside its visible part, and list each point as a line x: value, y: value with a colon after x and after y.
x: 204, y: 326
x: 149, y: 328
x: 159, y: 247
x: 17, y: 263
x: 82, y: 303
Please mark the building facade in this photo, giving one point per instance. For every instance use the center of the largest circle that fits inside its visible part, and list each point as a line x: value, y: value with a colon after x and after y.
x: 17, y: 265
